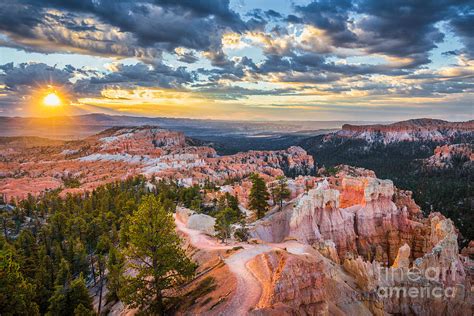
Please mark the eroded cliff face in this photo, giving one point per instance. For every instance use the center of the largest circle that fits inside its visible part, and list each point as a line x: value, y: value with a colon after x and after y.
x: 361, y: 215
x: 447, y: 156
x: 411, y: 130
x: 363, y: 230
x: 292, y: 284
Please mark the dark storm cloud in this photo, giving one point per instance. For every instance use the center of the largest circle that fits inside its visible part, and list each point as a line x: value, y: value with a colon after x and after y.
x: 150, y: 25
x: 331, y: 16
x: 402, y: 28
x: 30, y: 75
x: 260, y: 14
x: 308, y: 67
x: 141, y: 75
x: 18, y: 18
x: 231, y: 69
x: 187, y: 57
x: 463, y: 25
x: 399, y: 28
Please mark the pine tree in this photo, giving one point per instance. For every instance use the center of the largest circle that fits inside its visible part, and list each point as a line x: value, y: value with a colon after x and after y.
x: 154, y: 252
x: 258, y: 196
x: 280, y: 191
x: 115, y: 266
x: 16, y: 293
x: 224, y: 220
x: 80, y: 310
x: 67, y: 298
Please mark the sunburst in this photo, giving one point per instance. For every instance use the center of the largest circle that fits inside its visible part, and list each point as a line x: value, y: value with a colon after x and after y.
x: 52, y: 99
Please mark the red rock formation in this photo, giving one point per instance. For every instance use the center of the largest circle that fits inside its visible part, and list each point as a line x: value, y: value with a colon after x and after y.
x: 444, y: 156
x: 411, y: 130
x: 364, y: 216
x: 380, y: 236
x: 292, y: 284
x: 119, y: 153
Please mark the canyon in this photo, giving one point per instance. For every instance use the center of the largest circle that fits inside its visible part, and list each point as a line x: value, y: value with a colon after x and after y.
x: 344, y: 242
x: 432, y: 158
x: 341, y: 248
x: 118, y: 153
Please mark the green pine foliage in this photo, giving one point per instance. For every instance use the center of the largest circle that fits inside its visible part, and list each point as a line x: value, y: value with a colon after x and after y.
x: 258, y: 196
x: 71, y: 241
x: 449, y: 191
x: 226, y: 212
x: 16, y: 292
x: 154, y: 252
x: 280, y: 191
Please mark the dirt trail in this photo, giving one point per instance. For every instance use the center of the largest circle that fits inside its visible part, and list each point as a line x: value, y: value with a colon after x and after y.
x: 248, y: 289
x: 197, y: 238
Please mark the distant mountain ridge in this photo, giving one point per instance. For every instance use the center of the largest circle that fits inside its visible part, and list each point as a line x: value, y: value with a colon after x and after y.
x: 411, y: 130
x: 78, y: 127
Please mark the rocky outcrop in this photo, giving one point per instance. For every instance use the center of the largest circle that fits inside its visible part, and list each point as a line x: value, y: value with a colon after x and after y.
x: 317, y: 217
x: 202, y: 222
x: 292, y: 284
x: 401, y: 262
x: 411, y: 130
x: 446, y: 156
x: 403, y: 257
x: 362, y: 216
x: 431, y: 285
x: 374, y: 255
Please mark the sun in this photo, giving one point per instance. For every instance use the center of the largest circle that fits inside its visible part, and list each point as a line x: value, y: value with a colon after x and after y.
x: 52, y: 99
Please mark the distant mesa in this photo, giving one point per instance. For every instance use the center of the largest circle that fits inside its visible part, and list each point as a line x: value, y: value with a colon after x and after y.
x: 411, y: 130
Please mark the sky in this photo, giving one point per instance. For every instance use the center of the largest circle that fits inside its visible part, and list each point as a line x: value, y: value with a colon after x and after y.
x: 381, y: 60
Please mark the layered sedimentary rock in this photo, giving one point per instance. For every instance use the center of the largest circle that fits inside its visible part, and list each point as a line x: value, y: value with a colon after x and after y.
x: 293, y: 284
x: 360, y: 215
x: 411, y: 130
x: 401, y: 262
x: 317, y: 216
x: 118, y: 153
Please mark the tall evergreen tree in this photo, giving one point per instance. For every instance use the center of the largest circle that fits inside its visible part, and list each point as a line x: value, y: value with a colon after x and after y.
x: 67, y: 298
x: 154, y: 252
x: 16, y: 293
x: 258, y: 196
x: 115, y: 266
x: 224, y: 219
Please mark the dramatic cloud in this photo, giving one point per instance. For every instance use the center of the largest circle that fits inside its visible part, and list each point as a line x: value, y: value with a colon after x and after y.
x: 398, y: 28
x: 130, y: 28
x: 463, y: 25
x: 230, y: 54
x: 330, y: 16
x: 30, y: 75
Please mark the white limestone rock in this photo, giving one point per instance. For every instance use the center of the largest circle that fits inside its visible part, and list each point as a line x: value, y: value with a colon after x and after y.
x: 202, y: 222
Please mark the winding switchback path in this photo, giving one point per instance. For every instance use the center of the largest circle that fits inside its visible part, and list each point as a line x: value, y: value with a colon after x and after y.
x: 248, y: 288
